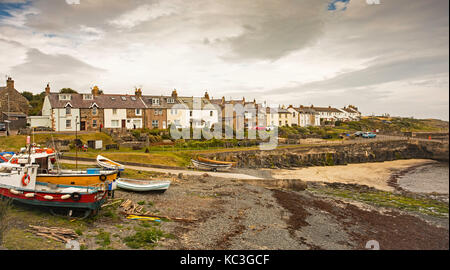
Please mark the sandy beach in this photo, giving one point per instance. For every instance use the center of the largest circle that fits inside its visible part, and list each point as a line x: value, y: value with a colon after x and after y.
x: 374, y: 175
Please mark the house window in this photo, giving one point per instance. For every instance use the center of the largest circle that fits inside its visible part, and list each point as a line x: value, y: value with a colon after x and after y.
x: 94, y: 110
x: 94, y: 123
x: 190, y: 113
x: 68, y: 110
x: 64, y: 97
x: 87, y: 97
x: 133, y: 98
x: 123, y: 98
x: 170, y: 100
x: 155, y: 124
x: 68, y: 123
x: 138, y: 112
x: 173, y: 111
x: 114, y: 111
x: 210, y: 113
x: 155, y: 101
x: 164, y: 124
x: 114, y: 123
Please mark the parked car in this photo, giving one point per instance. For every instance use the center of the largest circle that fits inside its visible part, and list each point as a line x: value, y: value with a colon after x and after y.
x: 358, y: 133
x: 2, y: 127
x: 368, y: 135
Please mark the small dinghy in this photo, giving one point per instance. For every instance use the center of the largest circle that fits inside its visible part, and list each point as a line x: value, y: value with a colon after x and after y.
x: 212, y: 161
x: 142, y: 185
x: 210, y: 166
x: 109, y: 164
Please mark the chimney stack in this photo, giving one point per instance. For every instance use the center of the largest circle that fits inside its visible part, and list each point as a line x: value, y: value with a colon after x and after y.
x: 223, y: 100
x: 10, y: 83
x: 174, y: 93
x: 47, y: 89
x: 138, y: 92
x: 207, y: 95
x: 95, y: 91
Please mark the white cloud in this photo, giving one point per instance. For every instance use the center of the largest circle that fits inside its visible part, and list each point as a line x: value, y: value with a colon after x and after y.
x: 284, y: 51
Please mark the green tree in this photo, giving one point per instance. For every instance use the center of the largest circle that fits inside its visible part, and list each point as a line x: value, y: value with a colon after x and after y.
x: 28, y: 95
x: 68, y: 91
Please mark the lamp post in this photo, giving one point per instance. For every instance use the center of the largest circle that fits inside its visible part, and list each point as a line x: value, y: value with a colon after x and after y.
x: 7, y: 122
x: 76, y: 143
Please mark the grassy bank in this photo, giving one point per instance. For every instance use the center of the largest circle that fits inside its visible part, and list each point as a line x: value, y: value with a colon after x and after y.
x: 14, y: 143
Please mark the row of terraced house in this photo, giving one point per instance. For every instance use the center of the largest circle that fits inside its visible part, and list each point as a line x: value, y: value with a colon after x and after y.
x: 95, y: 110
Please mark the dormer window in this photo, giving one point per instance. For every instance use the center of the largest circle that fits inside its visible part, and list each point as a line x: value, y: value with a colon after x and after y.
x: 88, y: 96
x: 133, y: 98
x: 94, y: 110
x: 64, y: 97
x: 123, y: 98
x: 155, y: 101
x: 68, y: 110
x: 170, y: 100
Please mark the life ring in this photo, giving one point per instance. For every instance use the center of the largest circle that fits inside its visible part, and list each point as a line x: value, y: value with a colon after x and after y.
x: 26, y: 179
x: 75, y: 196
x: 102, y: 177
x: 14, y: 161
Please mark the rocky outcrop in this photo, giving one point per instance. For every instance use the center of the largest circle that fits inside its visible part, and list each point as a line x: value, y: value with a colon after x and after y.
x: 328, y: 155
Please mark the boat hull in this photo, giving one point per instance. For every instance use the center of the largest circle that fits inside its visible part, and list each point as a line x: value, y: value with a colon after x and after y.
x: 91, y: 201
x: 145, y: 186
x: 209, y: 166
x: 75, y: 179
x: 211, y: 161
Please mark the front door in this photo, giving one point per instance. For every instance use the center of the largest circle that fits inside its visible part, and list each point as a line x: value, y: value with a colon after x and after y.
x: 124, y: 123
x: 83, y: 125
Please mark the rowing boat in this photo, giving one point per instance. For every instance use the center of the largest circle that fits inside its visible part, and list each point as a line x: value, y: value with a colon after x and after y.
x: 212, y: 161
x: 210, y: 166
x: 143, y: 185
x: 109, y: 164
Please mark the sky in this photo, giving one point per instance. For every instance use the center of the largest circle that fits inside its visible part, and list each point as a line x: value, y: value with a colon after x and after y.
x: 383, y: 56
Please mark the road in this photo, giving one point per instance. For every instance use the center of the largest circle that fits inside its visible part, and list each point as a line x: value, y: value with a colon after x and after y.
x: 229, y: 175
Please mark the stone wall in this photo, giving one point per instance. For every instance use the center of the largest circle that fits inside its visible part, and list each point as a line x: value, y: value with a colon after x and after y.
x: 332, y: 154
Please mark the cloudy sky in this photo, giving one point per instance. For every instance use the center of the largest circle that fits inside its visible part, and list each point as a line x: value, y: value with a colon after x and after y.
x: 390, y: 57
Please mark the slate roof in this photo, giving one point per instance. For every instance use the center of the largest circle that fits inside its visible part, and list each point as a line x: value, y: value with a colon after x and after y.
x: 104, y: 101
x: 162, y: 101
x: 326, y: 109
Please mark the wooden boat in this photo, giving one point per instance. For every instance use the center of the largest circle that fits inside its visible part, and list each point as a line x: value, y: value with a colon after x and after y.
x: 212, y: 161
x: 109, y: 164
x: 142, y: 185
x: 49, y: 173
x: 210, y: 166
x: 19, y: 184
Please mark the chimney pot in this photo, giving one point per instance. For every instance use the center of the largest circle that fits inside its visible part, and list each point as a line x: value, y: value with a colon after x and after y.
x: 10, y: 83
x: 174, y: 93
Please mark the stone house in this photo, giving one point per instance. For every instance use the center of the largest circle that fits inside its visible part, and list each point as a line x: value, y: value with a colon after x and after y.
x: 13, y: 106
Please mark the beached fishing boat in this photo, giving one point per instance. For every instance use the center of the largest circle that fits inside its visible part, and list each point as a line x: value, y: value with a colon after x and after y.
x: 210, y: 166
x: 142, y: 185
x: 5, y: 156
x: 49, y: 172
x: 212, y: 161
x: 20, y: 184
x: 109, y: 164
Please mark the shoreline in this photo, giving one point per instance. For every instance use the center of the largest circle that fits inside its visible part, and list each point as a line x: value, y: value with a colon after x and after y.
x: 379, y: 175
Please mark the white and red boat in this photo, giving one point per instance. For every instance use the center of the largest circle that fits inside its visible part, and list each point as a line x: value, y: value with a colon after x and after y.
x: 19, y: 184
